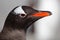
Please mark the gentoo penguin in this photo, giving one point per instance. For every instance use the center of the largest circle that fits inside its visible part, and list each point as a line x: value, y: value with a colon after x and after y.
x: 18, y: 20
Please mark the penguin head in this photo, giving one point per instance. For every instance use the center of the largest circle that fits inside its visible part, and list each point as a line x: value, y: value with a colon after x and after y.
x: 21, y: 17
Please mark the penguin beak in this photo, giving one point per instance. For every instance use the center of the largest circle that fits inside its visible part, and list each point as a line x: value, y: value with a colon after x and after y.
x: 41, y: 14
x: 35, y: 13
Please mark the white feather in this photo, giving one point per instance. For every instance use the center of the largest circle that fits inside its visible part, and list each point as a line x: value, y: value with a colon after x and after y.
x: 19, y: 10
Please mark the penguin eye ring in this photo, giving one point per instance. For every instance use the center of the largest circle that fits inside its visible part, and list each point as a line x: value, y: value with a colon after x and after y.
x: 23, y: 15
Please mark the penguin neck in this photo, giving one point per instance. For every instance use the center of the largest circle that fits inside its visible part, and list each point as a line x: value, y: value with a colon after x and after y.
x: 13, y: 34
x: 14, y: 26
x: 11, y: 28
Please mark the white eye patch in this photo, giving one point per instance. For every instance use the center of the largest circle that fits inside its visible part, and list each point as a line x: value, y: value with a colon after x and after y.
x: 19, y: 10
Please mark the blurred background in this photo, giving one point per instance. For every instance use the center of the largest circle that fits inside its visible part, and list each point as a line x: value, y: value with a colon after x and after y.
x: 47, y: 28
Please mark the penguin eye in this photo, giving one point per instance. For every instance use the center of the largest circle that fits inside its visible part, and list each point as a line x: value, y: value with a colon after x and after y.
x: 23, y: 15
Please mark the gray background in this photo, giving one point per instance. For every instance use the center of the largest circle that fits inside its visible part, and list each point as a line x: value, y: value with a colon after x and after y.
x: 51, y: 23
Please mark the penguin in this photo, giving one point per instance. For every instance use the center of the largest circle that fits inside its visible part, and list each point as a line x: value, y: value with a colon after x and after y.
x: 19, y: 20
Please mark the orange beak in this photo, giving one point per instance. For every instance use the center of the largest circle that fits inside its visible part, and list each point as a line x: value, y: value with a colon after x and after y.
x: 41, y: 14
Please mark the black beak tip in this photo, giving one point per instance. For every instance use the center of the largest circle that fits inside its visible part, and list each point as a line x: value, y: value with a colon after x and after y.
x: 49, y: 12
